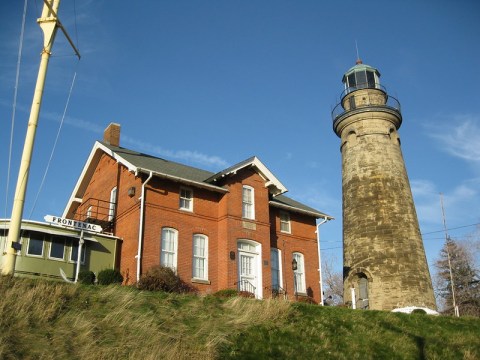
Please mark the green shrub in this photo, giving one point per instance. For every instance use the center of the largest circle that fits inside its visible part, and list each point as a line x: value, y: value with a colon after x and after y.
x: 418, y: 311
x: 109, y: 276
x: 86, y: 277
x: 226, y: 293
x: 162, y: 278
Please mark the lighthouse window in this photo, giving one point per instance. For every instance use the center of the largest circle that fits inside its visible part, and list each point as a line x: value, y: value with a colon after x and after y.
x: 351, y: 80
x: 361, y: 77
x: 371, y: 79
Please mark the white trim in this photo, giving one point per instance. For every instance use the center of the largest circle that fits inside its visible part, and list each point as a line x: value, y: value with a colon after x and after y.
x: 205, y: 257
x: 94, y: 158
x: 175, y: 248
x: 28, y: 246
x: 248, y: 205
x: 258, y: 265
x: 278, y: 255
x: 189, y: 200
x: 271, y: 181
x: 300, y: 261
x: 50, y: 257
x: 317, y: 215
x: 285, y: 221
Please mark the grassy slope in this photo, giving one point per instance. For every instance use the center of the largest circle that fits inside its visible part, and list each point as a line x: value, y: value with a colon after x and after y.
x: 44, y: 320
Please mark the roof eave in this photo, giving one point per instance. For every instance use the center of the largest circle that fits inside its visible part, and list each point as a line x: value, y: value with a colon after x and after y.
x: 316, y: 214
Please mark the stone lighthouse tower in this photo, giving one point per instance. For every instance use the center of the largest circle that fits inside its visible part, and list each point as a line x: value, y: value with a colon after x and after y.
x: 383, y: 256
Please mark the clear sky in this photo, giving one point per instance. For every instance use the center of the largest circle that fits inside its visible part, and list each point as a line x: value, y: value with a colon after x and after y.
x: 211, y: 83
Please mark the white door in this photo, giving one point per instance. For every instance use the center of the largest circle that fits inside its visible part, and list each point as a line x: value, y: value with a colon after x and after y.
x: 247, y: 272
x: 249, y: 277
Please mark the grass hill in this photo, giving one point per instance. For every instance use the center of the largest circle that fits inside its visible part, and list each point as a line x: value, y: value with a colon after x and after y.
x: 48, y: 320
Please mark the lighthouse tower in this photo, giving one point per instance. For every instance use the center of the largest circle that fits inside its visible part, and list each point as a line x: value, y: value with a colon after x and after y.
x: 383, y: 254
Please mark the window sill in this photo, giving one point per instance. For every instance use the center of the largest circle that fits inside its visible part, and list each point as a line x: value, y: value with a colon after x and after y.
x: 200, y: 281
x: 185, y: 209
x: 301, y: 294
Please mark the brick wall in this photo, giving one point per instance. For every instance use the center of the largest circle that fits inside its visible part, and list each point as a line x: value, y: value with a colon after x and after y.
x: 216, y: 215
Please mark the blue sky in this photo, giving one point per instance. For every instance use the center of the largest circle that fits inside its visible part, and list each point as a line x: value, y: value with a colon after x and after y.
x: 211, y: 83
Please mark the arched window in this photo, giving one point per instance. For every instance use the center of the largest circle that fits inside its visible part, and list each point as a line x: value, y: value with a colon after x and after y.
x: 113, y: 201
x: 248, y: 202
x: 168, y: 256
x: 200, y: 257
x: 299, y: 273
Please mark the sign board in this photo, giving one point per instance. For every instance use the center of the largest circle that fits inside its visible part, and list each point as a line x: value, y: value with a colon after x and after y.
x: 69, y: 223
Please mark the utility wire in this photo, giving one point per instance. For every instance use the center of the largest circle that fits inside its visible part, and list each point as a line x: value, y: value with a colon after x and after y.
x: 54, y: 146
x: 14, y: 105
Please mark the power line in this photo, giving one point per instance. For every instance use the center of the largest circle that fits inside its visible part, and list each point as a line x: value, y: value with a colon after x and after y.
x: 449, y: 229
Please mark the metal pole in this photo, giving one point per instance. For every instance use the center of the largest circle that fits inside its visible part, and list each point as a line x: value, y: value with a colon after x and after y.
x: 320, y: 259
x: 455, y: 307
x: 48, y: 23
x: 79, y: 255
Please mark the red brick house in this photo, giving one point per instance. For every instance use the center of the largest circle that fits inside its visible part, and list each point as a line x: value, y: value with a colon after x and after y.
x: 232, y: 229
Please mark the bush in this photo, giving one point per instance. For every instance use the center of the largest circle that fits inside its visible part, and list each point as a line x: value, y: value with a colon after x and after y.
x: 162, y: 278
x: 418, y: 311
x: 109, y: 276
x: 86, y: 277
x: 226, y: 293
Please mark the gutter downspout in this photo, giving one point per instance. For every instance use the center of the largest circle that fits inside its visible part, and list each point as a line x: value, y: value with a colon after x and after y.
x: 140, y: 227
x: 325, y: 219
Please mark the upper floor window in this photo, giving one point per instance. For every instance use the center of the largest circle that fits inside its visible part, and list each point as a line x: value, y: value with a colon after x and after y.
x: 168, y: 256
x: 299, y: 273
x: 186, y: 199
x: 57, y: 248
x: 113, y: 201
x: 285, y: 222
x: 200, y: 257
x: 35, y: 245
x: 248, y: 202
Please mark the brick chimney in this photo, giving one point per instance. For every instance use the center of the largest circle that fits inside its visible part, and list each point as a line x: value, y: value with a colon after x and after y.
x: 111, y: 135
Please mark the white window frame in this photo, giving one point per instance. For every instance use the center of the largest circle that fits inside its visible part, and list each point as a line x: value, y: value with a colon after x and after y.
x: 113, y: 204
x: 299, y: 274
x: 276, y: 258
x: 285, y: 221
x: 185, y: 200
x: 52, y: 241
x: 201, y: 258
x: 167, y: 231
x: 82, y: 257
x: 248, y: 202
x: 39, y: 237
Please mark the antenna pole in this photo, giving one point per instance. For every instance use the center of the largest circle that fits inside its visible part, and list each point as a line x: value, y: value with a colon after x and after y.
x: 49, y: 24
x: 447, y: 238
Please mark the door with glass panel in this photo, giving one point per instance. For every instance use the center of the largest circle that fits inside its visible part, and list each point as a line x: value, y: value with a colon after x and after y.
x: 248, y: 273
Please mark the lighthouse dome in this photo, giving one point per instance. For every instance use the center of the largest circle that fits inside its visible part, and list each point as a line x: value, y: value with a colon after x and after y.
x: 361, y: 76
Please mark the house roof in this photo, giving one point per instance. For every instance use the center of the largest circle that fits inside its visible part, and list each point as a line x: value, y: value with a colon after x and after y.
x: 283, y: 202
x: 143, y: 163
x: 275, y: 186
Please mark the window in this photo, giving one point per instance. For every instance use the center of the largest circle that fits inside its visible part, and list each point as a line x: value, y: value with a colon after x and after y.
x: 276, y: 264
x: 299, y: 274
x: 35, y: 245
x: 113, y: 201
x: 57, y: 248
x: 168, y: 256
x: 200, y: 253
x: 285, y: 222
x: 186, y: 199
x: 74, y: 252
x: 89, y: 212
x: 248, y: 203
